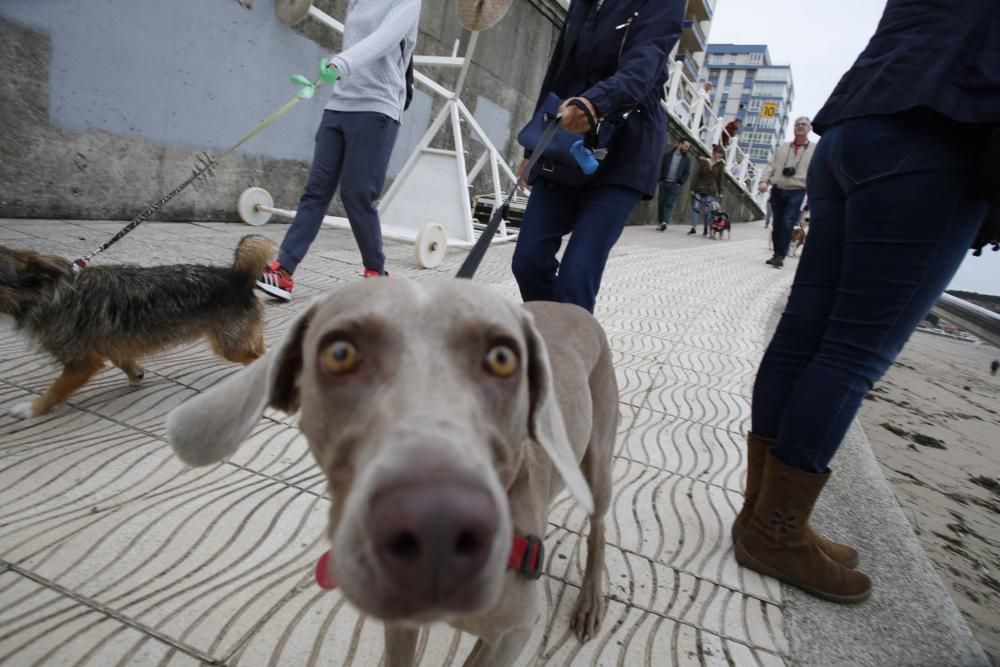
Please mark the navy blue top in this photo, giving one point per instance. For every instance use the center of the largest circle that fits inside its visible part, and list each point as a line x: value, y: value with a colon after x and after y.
x: 683, y: 169
x: 942, y: 55
x: 594, y: 71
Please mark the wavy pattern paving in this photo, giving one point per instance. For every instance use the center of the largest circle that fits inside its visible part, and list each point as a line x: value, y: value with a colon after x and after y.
x: 114, y: 553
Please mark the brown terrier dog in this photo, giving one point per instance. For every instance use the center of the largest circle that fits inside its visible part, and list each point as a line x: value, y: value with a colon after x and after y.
x: 798, y: 239
x: 122, y: 313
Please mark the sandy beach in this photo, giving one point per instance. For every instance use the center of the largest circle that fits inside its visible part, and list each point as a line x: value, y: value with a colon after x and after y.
x: 934, y: 424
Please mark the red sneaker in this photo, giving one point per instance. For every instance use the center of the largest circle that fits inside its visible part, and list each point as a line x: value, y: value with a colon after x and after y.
x: 372, y: 273
x: 274, y: 282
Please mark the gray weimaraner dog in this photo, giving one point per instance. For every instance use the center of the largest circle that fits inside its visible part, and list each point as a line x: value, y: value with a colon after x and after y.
x: 446, y: 419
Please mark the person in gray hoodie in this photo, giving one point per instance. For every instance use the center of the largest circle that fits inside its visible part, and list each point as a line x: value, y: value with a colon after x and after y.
x: 355, y: 137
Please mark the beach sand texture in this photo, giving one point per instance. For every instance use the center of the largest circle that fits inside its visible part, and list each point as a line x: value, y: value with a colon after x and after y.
x: 934, y: 424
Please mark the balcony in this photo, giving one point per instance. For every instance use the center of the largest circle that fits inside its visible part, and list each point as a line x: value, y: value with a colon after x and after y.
x: 701, y: 10
x: 693, y: 39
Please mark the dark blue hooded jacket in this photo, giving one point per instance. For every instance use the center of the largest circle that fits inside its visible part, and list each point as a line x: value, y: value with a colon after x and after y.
x: 595, y: 71
x: 941, y: 55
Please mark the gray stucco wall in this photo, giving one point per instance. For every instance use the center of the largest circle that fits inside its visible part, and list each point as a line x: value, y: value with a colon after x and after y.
x: 107, y: 105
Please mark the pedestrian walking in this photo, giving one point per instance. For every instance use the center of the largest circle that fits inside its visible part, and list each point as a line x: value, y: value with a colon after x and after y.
x: 706, y: 188
x: 614, y: 69
x: 786, y: 175
x: 897, y: 195
x: 355, y: 137
x: 674, y: 172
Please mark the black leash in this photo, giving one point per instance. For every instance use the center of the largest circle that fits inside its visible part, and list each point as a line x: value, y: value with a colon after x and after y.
x: 471, y: 263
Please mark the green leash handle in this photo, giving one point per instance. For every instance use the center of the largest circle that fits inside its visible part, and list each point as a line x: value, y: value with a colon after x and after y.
x: 327, y: 75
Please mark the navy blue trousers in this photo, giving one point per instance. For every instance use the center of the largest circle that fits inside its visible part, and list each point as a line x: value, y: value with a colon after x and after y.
x: 668, y: 197
x: 894, y: 207
x: 352, y: 150
x: 594, y: 215
x: 786, y: 205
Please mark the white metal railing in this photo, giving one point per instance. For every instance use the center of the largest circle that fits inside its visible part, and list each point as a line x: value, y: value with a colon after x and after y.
x: 687, y: 103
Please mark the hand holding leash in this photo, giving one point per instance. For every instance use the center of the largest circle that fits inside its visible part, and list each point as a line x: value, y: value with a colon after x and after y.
x: 575, y: 112
x: 578, y: 115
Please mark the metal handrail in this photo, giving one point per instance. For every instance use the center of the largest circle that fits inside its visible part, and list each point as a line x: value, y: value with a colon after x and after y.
x: 687, y: 103
x: 969, y: 311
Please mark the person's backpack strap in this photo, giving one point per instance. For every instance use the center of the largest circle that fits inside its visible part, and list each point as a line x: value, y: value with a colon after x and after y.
x: 408, y: 76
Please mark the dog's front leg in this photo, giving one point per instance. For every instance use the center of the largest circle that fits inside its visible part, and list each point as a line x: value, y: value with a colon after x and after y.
x: 501, y: 653
x: 72, y: 378
x: 400, y: 645
x: 591, y: 605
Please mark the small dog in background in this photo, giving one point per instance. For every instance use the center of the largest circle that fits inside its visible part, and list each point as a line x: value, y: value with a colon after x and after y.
x: 720, y: 225
x: 122, y: 313
x: 798, y: 237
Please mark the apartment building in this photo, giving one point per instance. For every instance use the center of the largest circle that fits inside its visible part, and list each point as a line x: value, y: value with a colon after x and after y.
x: 746, y: 84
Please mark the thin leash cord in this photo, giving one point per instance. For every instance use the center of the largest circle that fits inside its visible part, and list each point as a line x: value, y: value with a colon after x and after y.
x: 308, y: 90
x: 475, y: 257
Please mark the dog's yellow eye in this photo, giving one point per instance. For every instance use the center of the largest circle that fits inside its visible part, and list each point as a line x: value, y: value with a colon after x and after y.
x: 340, y: 357
x: 501, y: 361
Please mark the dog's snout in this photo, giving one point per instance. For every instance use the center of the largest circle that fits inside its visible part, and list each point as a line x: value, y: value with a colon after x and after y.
x: 432, y: 540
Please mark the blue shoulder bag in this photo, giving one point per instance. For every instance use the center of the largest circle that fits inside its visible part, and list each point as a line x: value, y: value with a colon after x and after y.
x: 570, y: 158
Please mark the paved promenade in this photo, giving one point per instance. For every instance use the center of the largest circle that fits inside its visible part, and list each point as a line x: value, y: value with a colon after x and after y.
x: 112, y: 552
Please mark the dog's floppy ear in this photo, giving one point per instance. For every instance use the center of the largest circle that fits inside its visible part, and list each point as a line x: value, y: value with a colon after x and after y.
x: 35, y: 270
x: 209, y: 427
x: 546, y: 419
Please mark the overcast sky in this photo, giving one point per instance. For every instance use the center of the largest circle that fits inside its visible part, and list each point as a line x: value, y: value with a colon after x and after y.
x: 820, y: 39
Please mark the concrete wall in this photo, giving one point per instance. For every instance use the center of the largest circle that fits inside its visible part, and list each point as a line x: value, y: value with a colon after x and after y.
x: 107, y: 105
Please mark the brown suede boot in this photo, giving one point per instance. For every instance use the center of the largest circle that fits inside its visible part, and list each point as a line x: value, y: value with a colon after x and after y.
x: 757, y: 449
x: 777, y: 542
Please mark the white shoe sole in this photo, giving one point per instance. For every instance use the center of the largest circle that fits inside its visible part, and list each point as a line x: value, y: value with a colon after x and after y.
x: 274, y: 291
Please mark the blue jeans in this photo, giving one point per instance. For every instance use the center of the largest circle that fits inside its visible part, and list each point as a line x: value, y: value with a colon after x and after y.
x: 894, y: 208
x: 595, y: 216
x: 786, y: 205
x: 668, y: 197
x: 352, y: 150
x: 701, y: 208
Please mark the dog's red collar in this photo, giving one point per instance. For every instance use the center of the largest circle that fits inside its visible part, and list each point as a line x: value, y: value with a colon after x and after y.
x: 527, y: 554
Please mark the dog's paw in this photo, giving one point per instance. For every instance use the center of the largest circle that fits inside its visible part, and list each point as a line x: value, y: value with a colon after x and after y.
x: 588, y: 614
x: 136, y: 376
x: 23, y: 410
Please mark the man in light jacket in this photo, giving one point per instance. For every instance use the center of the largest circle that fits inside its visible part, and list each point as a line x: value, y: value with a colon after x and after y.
x: 786, y: 175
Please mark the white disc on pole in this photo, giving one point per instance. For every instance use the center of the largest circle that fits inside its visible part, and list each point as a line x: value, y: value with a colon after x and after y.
x: 476, y: 15
x: 248, y: 206
x: 431, y: 246
x: 291, y: 12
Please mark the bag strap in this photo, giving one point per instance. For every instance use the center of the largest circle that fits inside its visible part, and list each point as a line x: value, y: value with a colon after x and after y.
x: 571, y: 38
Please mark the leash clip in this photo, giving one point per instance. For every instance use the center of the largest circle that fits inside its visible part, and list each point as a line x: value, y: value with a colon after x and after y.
x: 308, y: 89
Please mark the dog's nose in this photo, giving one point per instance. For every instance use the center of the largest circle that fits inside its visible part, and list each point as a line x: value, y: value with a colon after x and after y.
x: 432, y: 540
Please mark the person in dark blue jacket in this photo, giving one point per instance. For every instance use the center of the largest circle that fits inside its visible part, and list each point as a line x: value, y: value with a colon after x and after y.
x: 618, y: 61
x: 897, y: 193
x: 674, y: 171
